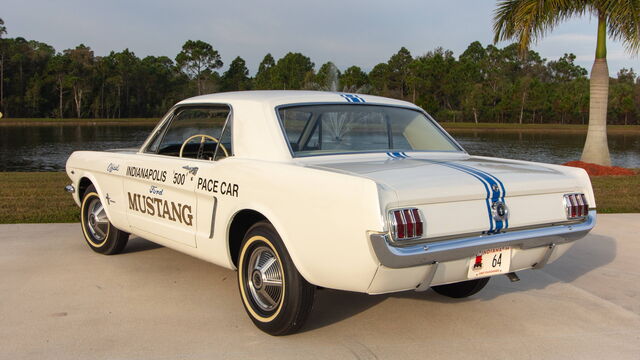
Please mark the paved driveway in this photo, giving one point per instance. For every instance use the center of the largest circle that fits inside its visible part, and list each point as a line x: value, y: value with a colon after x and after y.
x: 58, y: 299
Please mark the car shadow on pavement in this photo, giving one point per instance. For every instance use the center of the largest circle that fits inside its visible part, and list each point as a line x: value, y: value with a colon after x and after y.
x: 136, y: 244
x: 588, y: 254
x: 332, y: 306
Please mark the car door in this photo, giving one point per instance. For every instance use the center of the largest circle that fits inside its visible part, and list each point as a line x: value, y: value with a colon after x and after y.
x: 160, y: 181
x: 216, y: 189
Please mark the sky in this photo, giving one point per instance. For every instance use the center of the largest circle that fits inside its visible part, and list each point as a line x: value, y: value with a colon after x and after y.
x: 362, y: 33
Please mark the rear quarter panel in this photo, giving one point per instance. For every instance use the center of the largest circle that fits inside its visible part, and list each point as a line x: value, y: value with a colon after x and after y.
x: 322, y: 217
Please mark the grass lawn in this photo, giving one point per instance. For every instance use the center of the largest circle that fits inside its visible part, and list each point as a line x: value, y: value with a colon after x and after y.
x: 617, y: 194
x: 38, y: 197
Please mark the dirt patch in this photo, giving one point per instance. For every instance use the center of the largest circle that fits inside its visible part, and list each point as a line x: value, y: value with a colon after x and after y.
x: 599, y: 170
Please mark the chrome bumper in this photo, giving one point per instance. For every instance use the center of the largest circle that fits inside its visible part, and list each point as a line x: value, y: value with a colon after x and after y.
x: 430, y: 253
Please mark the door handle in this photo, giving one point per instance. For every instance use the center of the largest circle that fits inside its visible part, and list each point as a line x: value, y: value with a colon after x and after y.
x: 191, y: 169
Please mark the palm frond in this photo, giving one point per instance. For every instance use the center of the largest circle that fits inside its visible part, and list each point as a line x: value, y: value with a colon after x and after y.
x: 529, y: 20
x: 623, y: 21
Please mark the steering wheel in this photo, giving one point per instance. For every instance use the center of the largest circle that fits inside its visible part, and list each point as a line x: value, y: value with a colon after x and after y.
x: 201, y: 148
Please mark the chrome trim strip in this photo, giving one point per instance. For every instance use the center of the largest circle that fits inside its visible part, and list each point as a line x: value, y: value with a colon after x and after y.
x: 420, y: 254
x: 426, y: 241
x: 213, y: 216
x: 69, y: 188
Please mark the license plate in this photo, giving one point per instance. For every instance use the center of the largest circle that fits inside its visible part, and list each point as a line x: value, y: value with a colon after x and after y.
x: 490, y: 262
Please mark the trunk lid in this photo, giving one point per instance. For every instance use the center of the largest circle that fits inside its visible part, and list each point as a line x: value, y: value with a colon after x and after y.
x: 456, y: 192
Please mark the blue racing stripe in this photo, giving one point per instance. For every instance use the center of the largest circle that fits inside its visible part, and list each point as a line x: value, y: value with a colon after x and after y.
x: 490, y: 183
x: 486, y: 188
x: 493, y: 184
x: 352, y: 98
x: 397, y: 155
x: 496, y: 195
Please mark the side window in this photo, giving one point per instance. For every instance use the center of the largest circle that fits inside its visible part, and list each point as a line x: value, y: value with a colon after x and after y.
x: 197, y: 133
x: 225, y: 149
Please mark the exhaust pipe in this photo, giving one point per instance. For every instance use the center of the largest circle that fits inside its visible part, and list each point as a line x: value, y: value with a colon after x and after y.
x: 513, y: 277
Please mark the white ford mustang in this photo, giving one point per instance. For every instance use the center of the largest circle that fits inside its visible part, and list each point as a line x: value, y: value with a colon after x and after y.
x: 298, y: 190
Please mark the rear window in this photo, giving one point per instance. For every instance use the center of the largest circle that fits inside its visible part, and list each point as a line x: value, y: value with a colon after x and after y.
x: 345, y: 128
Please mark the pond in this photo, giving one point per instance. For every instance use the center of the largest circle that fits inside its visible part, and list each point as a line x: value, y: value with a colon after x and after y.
x: 47, y: 147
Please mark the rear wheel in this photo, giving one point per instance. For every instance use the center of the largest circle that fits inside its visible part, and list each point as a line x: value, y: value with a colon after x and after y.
x: 98, y: 231
x: 461, y: 289
x: 274, y: 294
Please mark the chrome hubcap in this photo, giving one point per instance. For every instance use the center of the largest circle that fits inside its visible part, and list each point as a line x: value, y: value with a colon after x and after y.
x: 98, y: 223
x: 264, y: 279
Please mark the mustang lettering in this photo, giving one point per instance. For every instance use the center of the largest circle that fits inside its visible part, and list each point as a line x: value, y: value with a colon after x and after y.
x: 161, y: 208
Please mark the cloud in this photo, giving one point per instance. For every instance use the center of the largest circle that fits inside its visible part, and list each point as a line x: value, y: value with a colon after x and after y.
x: 355, y: 32
x: 570, y: 39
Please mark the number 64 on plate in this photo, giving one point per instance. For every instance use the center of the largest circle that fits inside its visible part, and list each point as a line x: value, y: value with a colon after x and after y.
x: 490, y: 262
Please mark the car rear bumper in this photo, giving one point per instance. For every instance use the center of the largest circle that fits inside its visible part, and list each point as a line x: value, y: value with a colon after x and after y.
x: 396, y: 257
x: 421, y: 266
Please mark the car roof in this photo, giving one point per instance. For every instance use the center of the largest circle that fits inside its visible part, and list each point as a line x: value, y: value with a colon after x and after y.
x: 257, y: 133
x: 282, y: 97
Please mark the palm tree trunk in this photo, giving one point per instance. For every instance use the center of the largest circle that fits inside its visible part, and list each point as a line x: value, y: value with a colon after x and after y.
x: 596, y: 148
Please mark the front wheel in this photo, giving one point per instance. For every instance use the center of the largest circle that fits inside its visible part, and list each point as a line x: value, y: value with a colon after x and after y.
x: 461, y: 289
x: 98, y: 231
x: 274, y: 294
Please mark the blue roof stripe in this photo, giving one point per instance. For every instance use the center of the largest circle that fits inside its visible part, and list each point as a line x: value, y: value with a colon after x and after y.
x: 352, y: 98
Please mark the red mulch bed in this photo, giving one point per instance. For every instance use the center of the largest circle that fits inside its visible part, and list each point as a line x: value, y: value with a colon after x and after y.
x: 599, y: 170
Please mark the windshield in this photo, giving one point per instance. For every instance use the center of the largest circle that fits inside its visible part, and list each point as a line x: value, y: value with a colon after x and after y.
x: 344, y: 128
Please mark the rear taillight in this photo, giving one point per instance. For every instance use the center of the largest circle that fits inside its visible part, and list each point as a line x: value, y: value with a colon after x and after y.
x: 406, y: 224
x: 576, y: 206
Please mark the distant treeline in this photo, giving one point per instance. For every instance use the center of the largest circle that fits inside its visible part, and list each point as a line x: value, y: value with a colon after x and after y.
x: 483, y: 84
